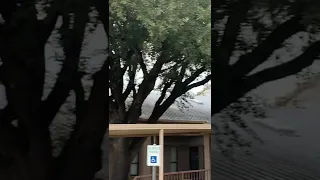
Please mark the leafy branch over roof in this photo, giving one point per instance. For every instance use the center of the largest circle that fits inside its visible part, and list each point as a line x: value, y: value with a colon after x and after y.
x: 162, y: 45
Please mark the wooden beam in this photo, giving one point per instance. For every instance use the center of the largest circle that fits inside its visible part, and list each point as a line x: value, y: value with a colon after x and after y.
x: 167, y: 134
x: 166, y: 121
x: 161, y: 143
x: 147, y: 130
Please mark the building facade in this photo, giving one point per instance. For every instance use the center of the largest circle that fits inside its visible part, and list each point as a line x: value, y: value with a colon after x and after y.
x: 181, y: 153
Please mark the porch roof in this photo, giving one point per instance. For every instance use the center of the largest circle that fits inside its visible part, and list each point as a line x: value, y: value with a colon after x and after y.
x: 146, y: 130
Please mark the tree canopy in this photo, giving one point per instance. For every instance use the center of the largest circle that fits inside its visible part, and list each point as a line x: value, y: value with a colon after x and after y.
x: 165, y: 42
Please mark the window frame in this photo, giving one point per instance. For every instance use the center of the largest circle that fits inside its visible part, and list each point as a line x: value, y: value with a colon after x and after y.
x: 137, y: 163
x: 174, y: 161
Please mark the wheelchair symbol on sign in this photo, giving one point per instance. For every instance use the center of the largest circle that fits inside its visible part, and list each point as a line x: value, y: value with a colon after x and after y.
x: 153, y: 159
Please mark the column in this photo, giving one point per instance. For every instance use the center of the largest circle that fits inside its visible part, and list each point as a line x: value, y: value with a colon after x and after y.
x: 207, y: 163
x: 161, y: 143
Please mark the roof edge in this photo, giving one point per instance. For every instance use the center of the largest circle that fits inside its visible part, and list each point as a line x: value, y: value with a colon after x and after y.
x: 167, y: 121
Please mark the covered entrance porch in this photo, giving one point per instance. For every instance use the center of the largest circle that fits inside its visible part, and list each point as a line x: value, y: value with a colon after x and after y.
x: 169, y: 130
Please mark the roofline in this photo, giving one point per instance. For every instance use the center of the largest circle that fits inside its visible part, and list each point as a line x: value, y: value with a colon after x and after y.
x: 167, y: 121
x: 147, y: 130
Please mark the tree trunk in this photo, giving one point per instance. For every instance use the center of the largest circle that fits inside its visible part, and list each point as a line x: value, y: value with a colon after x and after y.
x: 119, y: 159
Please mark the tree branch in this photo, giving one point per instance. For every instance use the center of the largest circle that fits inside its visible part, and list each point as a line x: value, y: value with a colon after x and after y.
x: 238, y: 88
x: 167, y: 85
x: 47, y: 25
x: 199, y: 83
x: 116, y: 74
x: 86, y: 142
x: 193, y: 76
x: 159, y: 110
x: 178, y: 90
x: 80, y: 111
x: 145, y: 88
x: 8, y: 134
x: 260, y: 54
x: 131, y: 84
x: 127, y: 62
x: 80, y: 99
x: 182, y: 72
x: 232, y: 28
x: 286, y: 69
x: 141, y: 61
x: 116, y: 84
x: 72, y: 48
x: 103, y: 13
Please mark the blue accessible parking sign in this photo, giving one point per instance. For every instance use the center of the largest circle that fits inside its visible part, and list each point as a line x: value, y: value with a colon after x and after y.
x: 153, y: 155
x: 153, y: 159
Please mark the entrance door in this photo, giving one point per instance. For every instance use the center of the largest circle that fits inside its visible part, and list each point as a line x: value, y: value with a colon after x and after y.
x: 194, y: 158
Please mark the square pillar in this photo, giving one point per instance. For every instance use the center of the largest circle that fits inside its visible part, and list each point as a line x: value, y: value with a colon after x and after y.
x: 206, y: 149
x: 161, y: 143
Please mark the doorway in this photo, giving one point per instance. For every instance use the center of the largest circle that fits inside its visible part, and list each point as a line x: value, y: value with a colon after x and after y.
x: 194, y: 157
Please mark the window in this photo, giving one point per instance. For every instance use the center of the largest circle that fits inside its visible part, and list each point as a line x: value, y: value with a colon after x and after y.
x: 134, y: 168
x: 194, y: 158
x: 174, y: 159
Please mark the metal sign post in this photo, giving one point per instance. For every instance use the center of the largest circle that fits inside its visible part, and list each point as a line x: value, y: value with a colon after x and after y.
x: 154, y: 173
x: 154, y: 168
x: 153, y: 157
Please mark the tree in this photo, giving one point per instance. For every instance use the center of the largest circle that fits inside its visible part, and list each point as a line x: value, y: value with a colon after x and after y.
x: 25, y: 150
x: 271, y: 24
x: 166, y: 43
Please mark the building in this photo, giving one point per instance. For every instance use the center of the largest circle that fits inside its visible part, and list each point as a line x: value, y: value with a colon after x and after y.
x: 283, y: 155
x: 184, y: 134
